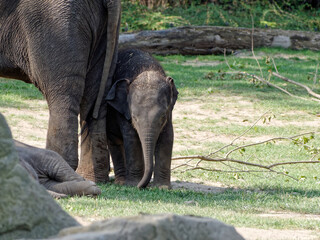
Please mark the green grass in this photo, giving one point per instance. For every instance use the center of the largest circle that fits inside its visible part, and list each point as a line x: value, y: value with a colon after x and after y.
x: 236, y: 207
x: 236, y: 14
x: 226, y: 105
x: 212, y: 80
x: 14, y: 93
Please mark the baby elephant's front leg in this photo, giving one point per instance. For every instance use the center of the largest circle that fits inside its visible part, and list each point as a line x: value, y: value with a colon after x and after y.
x: 163, y: 155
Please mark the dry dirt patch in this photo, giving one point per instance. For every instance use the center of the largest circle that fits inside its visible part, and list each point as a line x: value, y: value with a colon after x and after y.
x: 276, y: 234
x: 289, y: 215
x: 199, y: 185
x: 224, y: 111
x: 197, y: 63
x: 261, y: 55
x: 29, y: 125
x: 235, y: 110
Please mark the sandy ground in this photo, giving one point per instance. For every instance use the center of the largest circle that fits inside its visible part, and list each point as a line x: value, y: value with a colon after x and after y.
x: 29, y: 126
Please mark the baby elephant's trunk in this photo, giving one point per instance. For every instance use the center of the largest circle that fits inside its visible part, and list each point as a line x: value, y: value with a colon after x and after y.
x: 148, y: 147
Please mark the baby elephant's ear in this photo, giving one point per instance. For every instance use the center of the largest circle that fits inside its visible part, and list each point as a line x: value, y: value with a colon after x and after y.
x: 174, y: 91
x: 117, y: 97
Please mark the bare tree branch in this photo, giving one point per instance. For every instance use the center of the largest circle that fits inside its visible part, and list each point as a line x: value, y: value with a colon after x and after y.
x: 252, y: 47
x: 315, y: 76
x: 226, y: 159
x: 298, y: 84
x: 262, y: 80
x: 268, y: 167
x: 275, y: 66
x: 266, y: 141
x: 241, y: 135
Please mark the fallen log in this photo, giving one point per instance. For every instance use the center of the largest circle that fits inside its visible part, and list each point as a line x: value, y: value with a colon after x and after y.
x: 204, y: 40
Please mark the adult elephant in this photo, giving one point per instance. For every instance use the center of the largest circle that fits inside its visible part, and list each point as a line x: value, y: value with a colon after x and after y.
x: 62, y: 47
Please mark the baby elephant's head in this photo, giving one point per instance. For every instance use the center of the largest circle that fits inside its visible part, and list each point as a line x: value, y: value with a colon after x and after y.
x: 151, y: 97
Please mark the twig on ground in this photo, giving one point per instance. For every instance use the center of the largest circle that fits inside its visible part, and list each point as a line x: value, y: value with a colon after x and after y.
x: 275, y: 66
x: 298, y: 84
x: 252, y: 47
x: 266, y: 141
x: 262, y: 80
x: 267, y: 167
x: 315, y: 76
x: 241, y: 135
x: 225, y: 160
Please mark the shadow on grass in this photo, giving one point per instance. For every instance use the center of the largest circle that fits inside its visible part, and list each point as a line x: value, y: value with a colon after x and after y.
x: 288, y: 199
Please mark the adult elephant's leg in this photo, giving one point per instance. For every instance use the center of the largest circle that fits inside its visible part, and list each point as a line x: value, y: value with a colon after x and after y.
x: 94, y: 161
x: 58, y: 57
x: 64, y: 108
x: 163, y: 154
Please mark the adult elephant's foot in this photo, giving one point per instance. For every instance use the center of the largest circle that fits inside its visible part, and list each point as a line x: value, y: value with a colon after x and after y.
x: 94, y: 163
x: 94, y: 171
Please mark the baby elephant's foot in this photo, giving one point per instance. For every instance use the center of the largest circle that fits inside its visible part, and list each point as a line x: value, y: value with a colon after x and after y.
x: 160, y: 185
x: 132, y: 181
x: 120, y: 181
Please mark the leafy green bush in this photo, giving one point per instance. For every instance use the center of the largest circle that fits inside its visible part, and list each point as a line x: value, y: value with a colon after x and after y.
x: 138, y: 17
x: 292, y: 4
x: 235, y: 13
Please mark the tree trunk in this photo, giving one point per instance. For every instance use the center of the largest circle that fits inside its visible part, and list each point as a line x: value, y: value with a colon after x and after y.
x: 203, y: 40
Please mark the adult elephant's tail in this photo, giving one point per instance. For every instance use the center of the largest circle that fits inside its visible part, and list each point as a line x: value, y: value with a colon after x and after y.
x: 114, y: 16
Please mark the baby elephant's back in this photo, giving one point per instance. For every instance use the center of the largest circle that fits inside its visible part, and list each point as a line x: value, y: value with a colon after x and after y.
x: 132, y: 62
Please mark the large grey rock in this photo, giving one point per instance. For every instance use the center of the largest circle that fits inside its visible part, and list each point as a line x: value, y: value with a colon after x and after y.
x: 153, y: 227
x: 26, y: 209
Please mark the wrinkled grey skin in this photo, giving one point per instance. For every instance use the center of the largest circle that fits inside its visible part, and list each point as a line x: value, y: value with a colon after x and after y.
x: 52, y: 171
x: 60, y: 47
x: 139, y: 122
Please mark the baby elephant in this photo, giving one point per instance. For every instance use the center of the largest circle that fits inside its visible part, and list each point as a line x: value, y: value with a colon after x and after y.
x: 53, y: 172
x: 139, y: 124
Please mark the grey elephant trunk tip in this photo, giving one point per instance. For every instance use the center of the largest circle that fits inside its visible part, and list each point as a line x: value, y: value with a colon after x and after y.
x: 145, y: 181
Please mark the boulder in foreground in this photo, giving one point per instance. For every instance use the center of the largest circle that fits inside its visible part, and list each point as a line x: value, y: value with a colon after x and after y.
x: 26, y: 209
x: 153, y: 227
